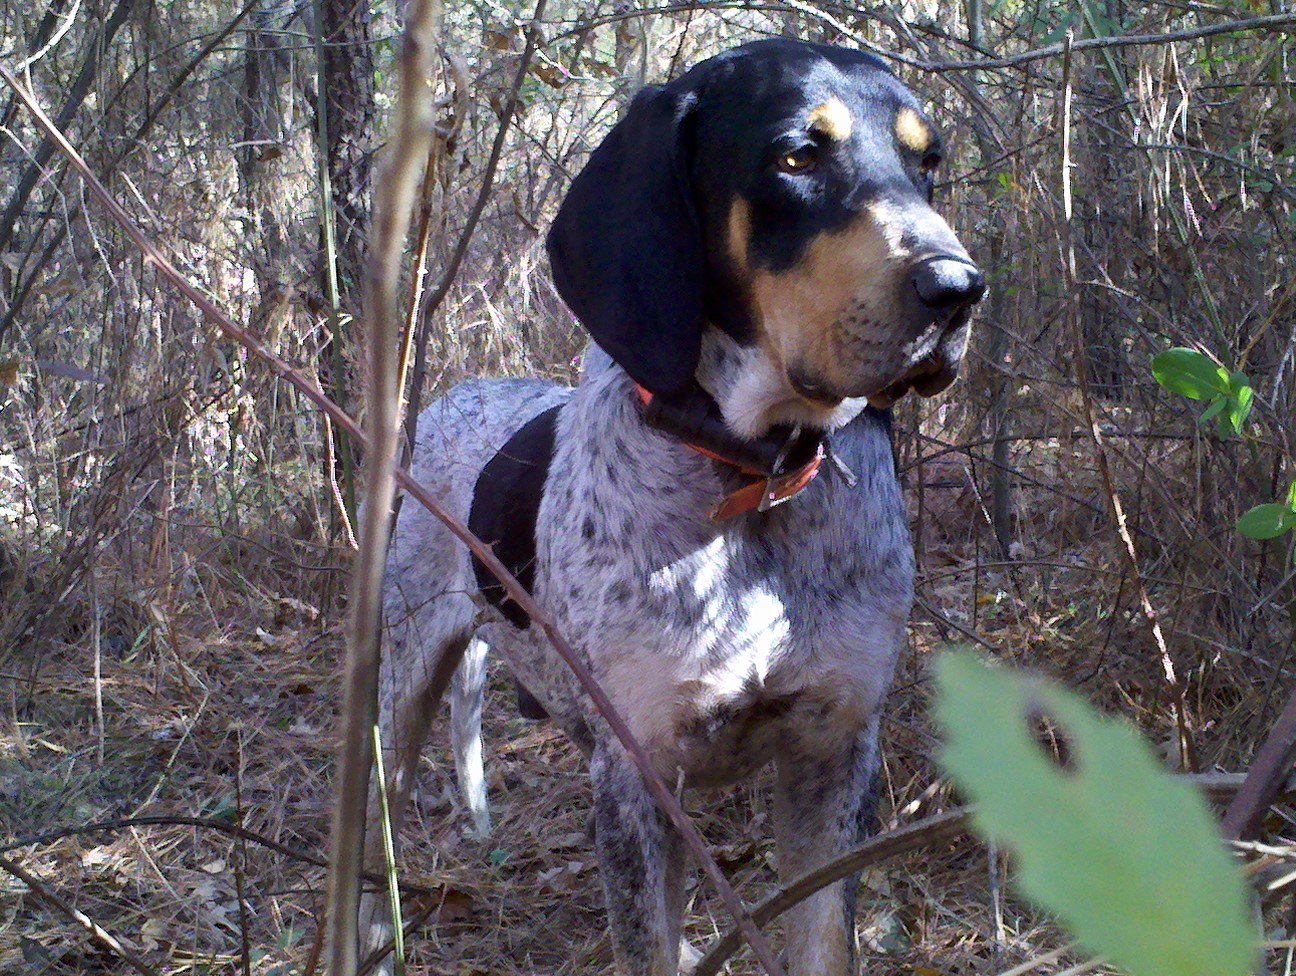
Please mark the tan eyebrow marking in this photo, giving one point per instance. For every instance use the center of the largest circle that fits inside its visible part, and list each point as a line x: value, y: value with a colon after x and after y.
x: 832, y: 119
x: 912, y: 131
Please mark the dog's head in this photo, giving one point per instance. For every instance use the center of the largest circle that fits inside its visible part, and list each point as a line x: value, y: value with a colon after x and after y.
x: 782, y: 193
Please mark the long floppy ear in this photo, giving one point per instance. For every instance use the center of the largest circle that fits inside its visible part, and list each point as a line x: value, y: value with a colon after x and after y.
x: 626, y: 246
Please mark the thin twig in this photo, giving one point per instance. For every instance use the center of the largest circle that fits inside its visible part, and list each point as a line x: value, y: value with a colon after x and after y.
x: 63, y: 28
x: 492, y: 164
x: 485, y: 554
x: 335, y: 489
x: 450, y: 272
x: 240, y: 861
x: 1264, y: 23
x: 925, y: 833
x: 393, y: 207
x: 1178, y: 703
x: 92, y: 928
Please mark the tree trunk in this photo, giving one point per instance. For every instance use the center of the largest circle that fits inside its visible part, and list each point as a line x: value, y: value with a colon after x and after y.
x: 347, y: 98
x: 265, y: 66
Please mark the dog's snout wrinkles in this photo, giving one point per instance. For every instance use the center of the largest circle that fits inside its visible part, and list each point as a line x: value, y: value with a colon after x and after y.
x: 948, y: 284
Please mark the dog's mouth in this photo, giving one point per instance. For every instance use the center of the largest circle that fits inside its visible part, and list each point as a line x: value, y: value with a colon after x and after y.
x: 935, y: 368
x: 932, y: 373
x: 813, y: 392
x: 927, y: 378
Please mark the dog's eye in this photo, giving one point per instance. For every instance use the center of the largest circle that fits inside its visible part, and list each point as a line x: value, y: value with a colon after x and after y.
x: 797, y: 161
x: 929, y: 163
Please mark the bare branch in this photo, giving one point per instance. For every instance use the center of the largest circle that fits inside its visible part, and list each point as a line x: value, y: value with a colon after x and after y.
x: 92, y: 928
x: 1269, y: 770
x: 393, y: 205
x: 438, y: 294
x: 57, y: 36
x: 1268, y: 22
x: 934, y: 830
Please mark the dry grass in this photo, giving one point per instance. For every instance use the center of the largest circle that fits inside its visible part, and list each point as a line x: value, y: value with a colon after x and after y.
x: 218, y: 702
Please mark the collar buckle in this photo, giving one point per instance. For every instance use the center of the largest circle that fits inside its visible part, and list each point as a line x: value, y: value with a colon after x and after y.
x: 781, y: 485
x: 783, y: 462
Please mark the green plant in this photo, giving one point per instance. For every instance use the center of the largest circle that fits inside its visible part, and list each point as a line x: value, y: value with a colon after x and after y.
x: 1270, y: 520
x: 1127, y: 856
x: 1192, y: 374
x: 1229, y: 397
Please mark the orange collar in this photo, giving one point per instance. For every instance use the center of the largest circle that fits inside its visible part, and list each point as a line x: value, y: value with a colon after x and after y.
x: 769, y: 487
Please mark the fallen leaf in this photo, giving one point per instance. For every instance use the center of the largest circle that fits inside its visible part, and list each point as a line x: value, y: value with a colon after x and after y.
x: 456, y: 906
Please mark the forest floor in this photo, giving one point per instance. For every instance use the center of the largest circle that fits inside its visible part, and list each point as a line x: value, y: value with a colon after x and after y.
x: 225, y: 712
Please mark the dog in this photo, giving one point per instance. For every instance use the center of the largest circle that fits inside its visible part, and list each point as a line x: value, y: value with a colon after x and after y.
x: 713, y: 516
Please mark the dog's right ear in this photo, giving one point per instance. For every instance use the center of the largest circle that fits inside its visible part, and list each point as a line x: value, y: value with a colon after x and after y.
x: 626, y: 246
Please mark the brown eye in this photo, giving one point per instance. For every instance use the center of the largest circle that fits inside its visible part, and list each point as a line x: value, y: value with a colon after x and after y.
x: 797, y: 161
x: 929, y: 163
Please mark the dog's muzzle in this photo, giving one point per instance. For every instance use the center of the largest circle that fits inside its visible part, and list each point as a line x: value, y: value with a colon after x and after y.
x: 947, y: 287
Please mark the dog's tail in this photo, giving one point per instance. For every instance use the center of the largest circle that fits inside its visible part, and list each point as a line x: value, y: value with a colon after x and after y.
x: 467, y: 690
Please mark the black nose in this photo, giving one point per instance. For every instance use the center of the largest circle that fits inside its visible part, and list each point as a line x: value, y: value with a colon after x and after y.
x: 948, y: 284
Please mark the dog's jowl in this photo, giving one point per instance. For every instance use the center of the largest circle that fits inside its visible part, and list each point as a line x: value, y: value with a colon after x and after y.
x: 712, y: 515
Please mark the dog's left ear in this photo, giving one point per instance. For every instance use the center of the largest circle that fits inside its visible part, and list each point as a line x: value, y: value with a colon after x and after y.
x: 626, y: 246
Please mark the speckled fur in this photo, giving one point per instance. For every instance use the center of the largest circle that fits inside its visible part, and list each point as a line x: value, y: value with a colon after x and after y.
x: 771, y: 637
x: 725, y: 646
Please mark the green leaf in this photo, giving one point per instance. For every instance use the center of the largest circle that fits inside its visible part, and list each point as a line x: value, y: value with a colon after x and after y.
x: 1128, y: 857
x: 1216, y: 407
x: 1291, y: 497
x: 1239, y: 407
x: 1189, y: 373
x: 1267, y: 521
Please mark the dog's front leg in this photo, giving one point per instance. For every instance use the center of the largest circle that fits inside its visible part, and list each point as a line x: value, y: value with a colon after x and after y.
x: 823, y: 805
x: 642, y: 861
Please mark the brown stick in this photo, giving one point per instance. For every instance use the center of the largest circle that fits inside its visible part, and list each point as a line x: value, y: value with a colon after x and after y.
x: 933, y: 830
x: 485, y: 554
x: 1265, y: 778
x: 92, y: 928
x: 411, y: 140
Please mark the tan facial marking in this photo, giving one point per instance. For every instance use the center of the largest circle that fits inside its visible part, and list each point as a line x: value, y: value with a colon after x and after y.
x: 739, y: 234
x: 833, y: 313
x: 832, y: 119
x: 800, y: 306
x: 912, y: 131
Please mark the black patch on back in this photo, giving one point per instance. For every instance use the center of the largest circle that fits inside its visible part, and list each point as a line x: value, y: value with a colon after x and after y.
x: 528, y: 704
x: 505, y: 506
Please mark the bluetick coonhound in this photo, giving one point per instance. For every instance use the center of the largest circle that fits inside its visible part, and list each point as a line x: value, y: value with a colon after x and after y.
x: 754, y: 248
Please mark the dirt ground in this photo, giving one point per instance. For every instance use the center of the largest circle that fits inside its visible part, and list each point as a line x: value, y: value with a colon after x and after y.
x: 223, y: 710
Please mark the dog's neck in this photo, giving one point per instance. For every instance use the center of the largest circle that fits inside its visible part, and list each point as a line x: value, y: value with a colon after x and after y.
x: 753, y: 392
